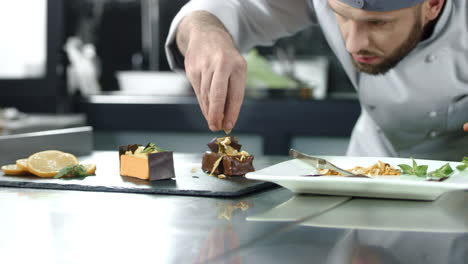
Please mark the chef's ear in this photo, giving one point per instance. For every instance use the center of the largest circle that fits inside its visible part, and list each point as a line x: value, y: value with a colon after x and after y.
x: 432, y: 9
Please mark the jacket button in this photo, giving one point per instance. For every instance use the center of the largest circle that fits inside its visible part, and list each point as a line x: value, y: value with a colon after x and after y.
x: 433, y: 114
x: 430, y: 58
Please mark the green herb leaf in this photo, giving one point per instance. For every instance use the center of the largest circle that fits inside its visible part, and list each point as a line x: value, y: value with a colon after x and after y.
x: 420, y: 171
x: 72, y: 171
x: 443, y: 171
x: 150, y: 147
x: 415, y: 165
x: 407, y: 169
x: 464, y: 165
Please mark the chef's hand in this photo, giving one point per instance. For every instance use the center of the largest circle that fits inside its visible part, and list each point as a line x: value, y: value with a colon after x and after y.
x: 465, y: 127
x: 214, y: 66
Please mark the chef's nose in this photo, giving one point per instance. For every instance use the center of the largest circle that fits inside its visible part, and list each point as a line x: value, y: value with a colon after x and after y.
x: 357, y: 37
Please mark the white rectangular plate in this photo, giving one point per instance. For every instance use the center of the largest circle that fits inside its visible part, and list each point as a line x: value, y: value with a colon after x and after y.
x: 290, y: 174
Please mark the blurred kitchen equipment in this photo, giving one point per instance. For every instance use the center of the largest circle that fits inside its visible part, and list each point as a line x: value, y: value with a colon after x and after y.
x: 311, y: 71
x: 153, y: 83
x: 84, y: 70
x: 13, y: 121
x: 78, y: 140
x: 263, y: 81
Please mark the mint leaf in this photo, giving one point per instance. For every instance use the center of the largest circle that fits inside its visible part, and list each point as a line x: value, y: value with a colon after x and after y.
x: 443, y: 171
x: 63, y: 172
x: 415, y: 165
x: 421, y: 170
x: 407, y: 169
x: 464, y: 165
x: 72, y: 171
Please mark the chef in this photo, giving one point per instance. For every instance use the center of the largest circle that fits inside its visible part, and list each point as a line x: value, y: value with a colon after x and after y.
x: 407, y: 59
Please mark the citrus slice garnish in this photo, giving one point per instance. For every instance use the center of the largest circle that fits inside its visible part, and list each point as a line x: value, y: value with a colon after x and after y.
x: 22, y: 164
x: 13, y: 169
x: 90, y: 168
x: 48, y: 163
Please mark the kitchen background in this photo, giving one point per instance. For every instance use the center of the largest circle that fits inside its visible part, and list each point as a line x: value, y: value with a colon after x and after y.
x: 59, y: 54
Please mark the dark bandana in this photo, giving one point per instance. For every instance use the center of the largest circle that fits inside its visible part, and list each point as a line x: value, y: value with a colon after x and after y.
x: 381, y: 5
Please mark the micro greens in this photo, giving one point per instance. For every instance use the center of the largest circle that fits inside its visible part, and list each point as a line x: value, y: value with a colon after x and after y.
x: 72, y: 171
x: 150, y: 147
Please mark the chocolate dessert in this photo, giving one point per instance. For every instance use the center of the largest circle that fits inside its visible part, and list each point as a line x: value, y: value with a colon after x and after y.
x: 226, y: 158
x: 146, y: 162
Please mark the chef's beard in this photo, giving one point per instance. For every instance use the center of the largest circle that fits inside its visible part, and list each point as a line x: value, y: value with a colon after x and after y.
x: 390, y: 62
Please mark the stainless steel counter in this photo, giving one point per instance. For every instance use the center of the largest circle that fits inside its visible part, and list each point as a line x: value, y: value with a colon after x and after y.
x: 46, y: 226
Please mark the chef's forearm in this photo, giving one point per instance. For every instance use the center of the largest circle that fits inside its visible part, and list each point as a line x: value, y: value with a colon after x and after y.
x: 249, y: 23
x: 195, y: 23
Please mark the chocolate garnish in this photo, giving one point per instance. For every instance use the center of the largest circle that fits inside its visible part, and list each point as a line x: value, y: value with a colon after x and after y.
x: 235, y: 143
x: 122, y: 150
x: 161, y: 165
x: 208, y: 161
x: 213, y: 145
x: 132, y: 147
x: 234, y: 167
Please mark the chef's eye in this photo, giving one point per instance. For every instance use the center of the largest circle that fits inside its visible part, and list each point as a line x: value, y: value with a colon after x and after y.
x: 377, y: 23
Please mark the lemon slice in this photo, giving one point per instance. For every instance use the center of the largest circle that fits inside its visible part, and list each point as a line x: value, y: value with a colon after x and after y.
x: 13, y: 169
x: 48, y: 163
x: 22, y: 164
x: 90, y: 168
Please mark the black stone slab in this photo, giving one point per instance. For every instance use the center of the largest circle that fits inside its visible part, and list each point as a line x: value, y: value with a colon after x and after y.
x: 189, y: 180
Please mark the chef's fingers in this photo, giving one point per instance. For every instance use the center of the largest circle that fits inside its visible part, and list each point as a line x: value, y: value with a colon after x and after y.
x: 204, y: 99
x: 218, y: 93
x: 194, y: 77
x: 235, y: 95
x: 465, y: 127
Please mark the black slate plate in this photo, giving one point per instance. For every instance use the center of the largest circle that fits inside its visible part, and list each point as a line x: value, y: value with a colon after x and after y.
x: 190, y: 179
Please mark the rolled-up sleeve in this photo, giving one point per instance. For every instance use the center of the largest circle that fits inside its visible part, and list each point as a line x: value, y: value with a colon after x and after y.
x: 250, y: 22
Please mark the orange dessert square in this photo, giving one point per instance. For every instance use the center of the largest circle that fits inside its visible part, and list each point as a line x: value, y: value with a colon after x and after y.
x: 146, y: 163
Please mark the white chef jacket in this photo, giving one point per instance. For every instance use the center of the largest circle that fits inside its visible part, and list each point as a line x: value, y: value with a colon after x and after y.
x: 417, y: 109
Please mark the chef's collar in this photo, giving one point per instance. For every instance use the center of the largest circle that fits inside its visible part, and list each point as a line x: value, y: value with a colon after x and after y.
x: 381, y: 5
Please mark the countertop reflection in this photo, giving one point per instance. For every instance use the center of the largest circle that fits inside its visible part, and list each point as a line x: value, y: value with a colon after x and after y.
x: 274, y: 226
